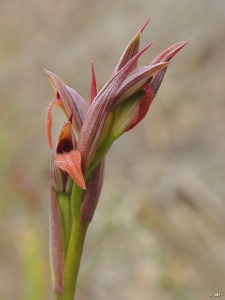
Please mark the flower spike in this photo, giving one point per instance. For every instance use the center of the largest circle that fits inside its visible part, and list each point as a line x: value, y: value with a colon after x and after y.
x: 79, y: 150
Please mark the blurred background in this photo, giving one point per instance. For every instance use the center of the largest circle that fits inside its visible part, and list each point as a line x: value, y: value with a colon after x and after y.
x: 159, y: 230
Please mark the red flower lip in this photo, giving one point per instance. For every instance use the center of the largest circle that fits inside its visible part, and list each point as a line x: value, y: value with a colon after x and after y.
x: 66, y: 159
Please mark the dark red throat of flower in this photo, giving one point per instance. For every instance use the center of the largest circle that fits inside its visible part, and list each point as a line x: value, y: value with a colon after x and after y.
x: 64, y: 146
x: 68, y: 159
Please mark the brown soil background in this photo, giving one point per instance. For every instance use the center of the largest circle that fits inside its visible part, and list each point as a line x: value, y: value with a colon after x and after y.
x: 159, y: 230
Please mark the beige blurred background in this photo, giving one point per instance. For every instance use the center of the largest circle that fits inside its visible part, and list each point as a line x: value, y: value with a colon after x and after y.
x: 159, y: 230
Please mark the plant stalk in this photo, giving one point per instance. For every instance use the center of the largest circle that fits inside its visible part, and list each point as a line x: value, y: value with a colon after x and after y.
x: 75, y: 248
x: 73, y: 259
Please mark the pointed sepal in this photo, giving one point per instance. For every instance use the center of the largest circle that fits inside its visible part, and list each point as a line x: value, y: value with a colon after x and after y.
x: 131, y: 50
x: 73, y: 103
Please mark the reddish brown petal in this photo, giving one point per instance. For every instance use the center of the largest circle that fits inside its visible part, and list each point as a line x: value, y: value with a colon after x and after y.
x: 93, y: 84
x: 71, y: 163
x: 49, y: 119
x: 56, y: 243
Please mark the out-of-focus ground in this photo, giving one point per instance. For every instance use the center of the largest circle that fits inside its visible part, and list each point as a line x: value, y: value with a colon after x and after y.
x: 159, y: 230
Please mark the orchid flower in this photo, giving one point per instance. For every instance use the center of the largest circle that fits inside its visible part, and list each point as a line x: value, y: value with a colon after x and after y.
x: 79, y: 150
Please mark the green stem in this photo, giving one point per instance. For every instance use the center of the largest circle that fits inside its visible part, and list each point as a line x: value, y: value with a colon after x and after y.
x: 75, y: 249
x: 73, y: 259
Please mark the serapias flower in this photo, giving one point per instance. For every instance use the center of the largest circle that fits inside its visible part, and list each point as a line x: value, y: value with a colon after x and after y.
x: 78, y: 151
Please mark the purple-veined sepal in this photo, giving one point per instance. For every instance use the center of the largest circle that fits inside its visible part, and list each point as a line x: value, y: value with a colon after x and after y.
x: 73, y: 105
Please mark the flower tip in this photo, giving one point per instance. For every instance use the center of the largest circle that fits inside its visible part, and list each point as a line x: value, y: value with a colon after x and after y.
x: 93, y: 83
x: 145, y: 25
x: 83, y: 186
x: 179, y: 48
x: 189, y: 40
x: 148, y: 46
x: 186, y: 42
x: 49, y: 73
